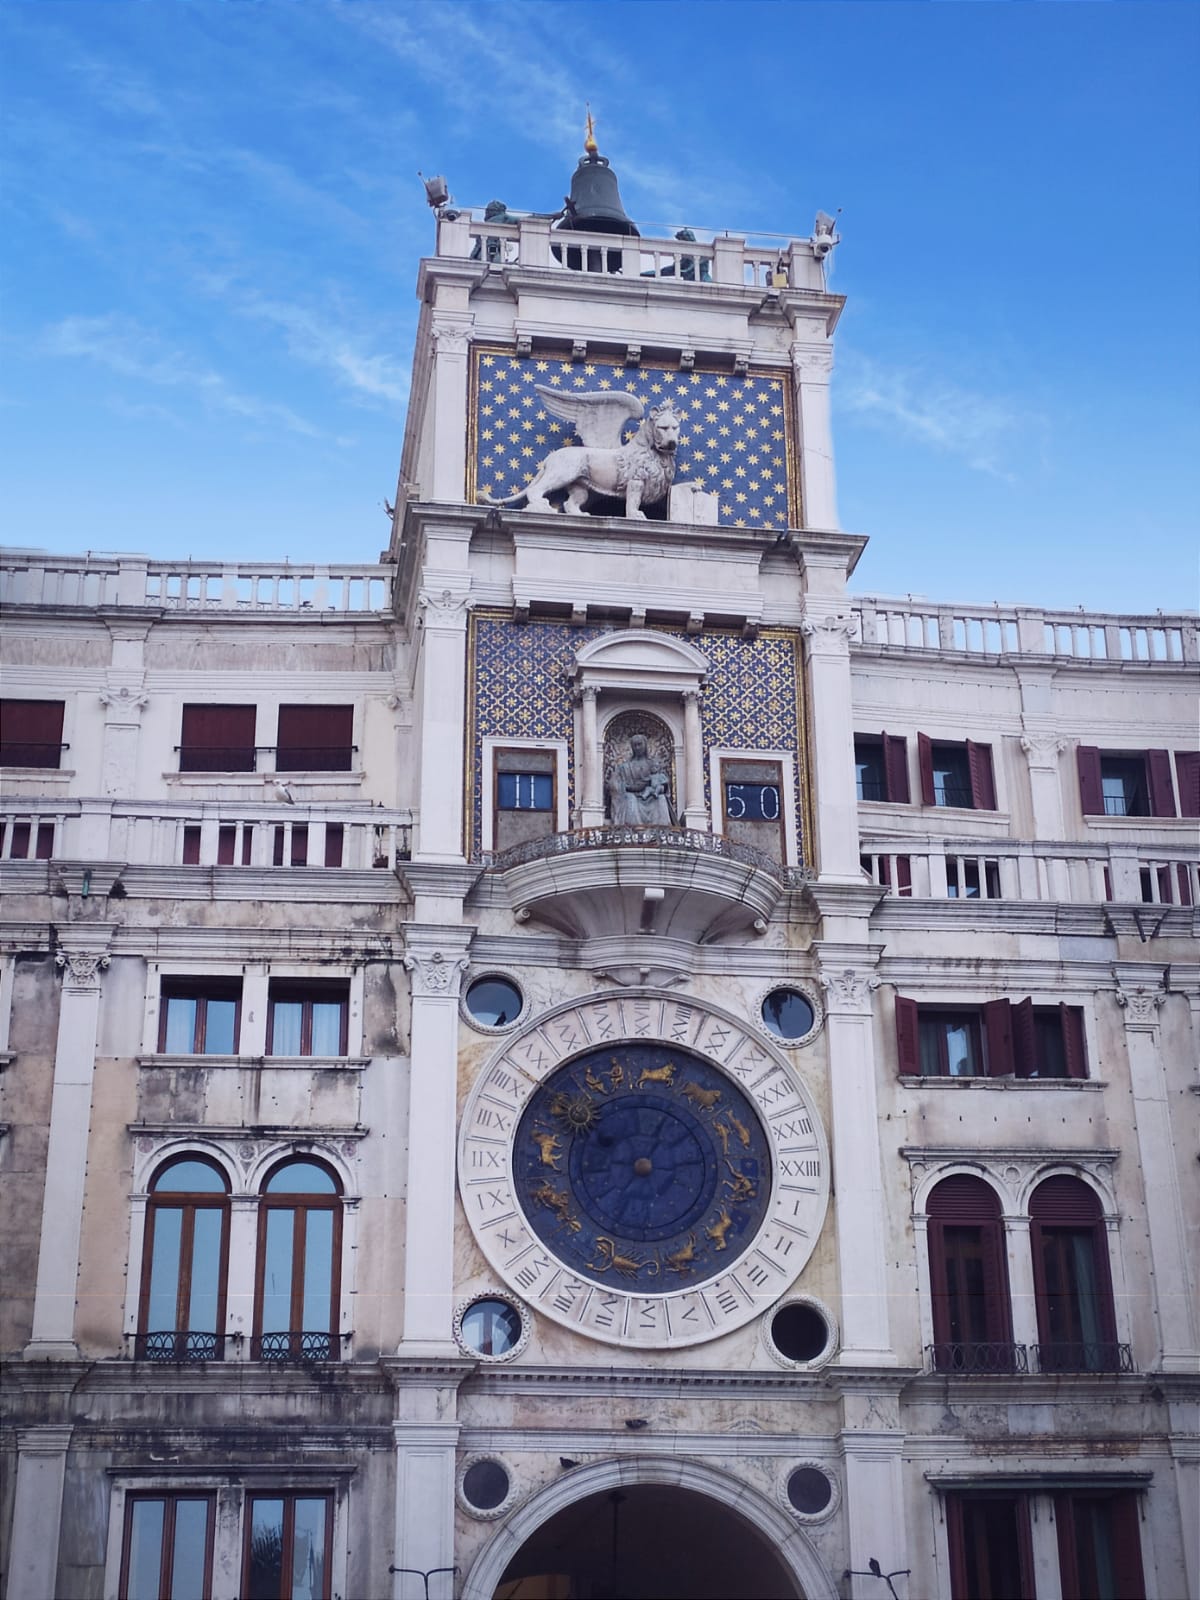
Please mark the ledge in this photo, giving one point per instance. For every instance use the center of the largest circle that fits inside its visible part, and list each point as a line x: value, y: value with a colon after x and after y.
x: 918, y: 1082
x: 318, y: 1063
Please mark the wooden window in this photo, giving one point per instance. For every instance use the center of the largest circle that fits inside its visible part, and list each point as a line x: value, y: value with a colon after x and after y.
x: 972, y: 1326
x: 31, y: 733
x: 167, y: 1549
x: 1000, y: 1038
x: 315, y: 739
x: 1187, y: 770
x: 881, y: 767
x: 991, y: 1552
x: 1099, y: 1545
x: 289, y: 1546
x: 299, y: 1264
x: 181, y: 1313
x: 200, y: 1016
x: 956, y: 774
x: 1125, y: 783
x: 217, y: 739
x: 308, y: 1019
x: 1048, y: 1041
x: 524, y: 796
x: 1076, y: 1323
x: 752, y: 805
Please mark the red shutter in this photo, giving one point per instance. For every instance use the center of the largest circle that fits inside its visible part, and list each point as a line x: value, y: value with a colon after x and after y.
x: 1158, y: 777
x: 997, y: 1024
x: 1185, y: 883
x: 904, y: 875
x: 983, y: 783
x: 964, y: 1199
x: 217, y: 739
x: 1072, y: 1032
x: 1064, y: 1202
x: 1187, y: 769
x: 895, y: 768
x: 191, y: 847
x: 1091, y: 792
x: 1068, y: 1564
x: 226, y: 840
x: 334, y: 832
x: 925, y: 763
x: 1127, y: 1547
x: 938, y: 1284
x: 995, y: 1284
x: 31, y: 733
x: 908, y: 1044
x: 314, y: 739
x: 1024, y: 1038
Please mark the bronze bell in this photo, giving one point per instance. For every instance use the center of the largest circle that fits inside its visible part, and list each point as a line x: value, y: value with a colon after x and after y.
x: 595, y: 205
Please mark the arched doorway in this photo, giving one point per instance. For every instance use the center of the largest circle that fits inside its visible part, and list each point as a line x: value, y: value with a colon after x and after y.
x: 649, y: 1530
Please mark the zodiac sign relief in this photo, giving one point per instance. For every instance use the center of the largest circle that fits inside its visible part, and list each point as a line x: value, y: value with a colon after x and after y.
x: 682, y: 1260
x: 720, y: 1228
x: 558, y: 1201
x: 549, y: 1147
x: 664, y: 1074
x: 703, y: 1099
x: 627, y: 1266
x: 741, y: 1188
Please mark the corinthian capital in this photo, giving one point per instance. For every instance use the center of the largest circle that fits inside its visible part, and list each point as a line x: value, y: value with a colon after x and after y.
x: 829, y: 633
x: 1141, y: 1004
x: 812, y: 363
x: 442, y: 607
x: 435, y: 974
x: 81, y: 969
x: 1043, y: 749
x: 451, y: 338
x: 849, y: 991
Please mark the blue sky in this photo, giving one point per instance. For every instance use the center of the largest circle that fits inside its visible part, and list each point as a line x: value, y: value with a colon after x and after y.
x: 215, y: 219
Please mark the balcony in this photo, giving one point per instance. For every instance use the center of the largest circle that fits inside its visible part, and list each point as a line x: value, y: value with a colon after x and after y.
x: 1106, y: 1356
x: 673, y: 882
x: 977, y: 1360
x: 179, y: 1345
x: 295, y: 1345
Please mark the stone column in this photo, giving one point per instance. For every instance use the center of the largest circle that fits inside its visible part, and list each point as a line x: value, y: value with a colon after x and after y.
x: 848, y: 981
x: 1140, y: 994
x: 124, y: 699
x: 1042, y: 751
x: 695, y: 813
x: 443, y: 686
x: 872, y: 1445
x: 435, y: 958
x: 812, y: 365
x: 828, y: 632
x: 591, y: 763
x: 37, y: 1513
x: 82, y: 957
x: 451, y: 344
x: 1022, y: 1291
x: 426, y: 1435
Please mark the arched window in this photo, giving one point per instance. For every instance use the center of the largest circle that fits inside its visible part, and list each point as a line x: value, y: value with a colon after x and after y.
x: 299, y: 1264
x: 972, y: 1326
x: 182, y: 1310
x: 1076, y: 1325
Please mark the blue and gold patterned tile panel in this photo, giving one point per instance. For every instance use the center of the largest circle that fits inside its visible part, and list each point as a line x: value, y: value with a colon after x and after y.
x: 735, y: 439
x: 519, y: 686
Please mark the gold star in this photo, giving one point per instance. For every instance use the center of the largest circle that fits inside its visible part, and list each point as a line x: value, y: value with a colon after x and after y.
x: 740, y: 523
x: 487, y: 433
x: 606, y: 383
x: 722, y: 405
x: 656, y: 388
x: 768, y: 499
x: 711, y: 393
x: 485, y: 383
x: 776, y: 411
x: 539, y: 438
x: 527, y: 450
x: 723, y: 431
x: 712, y: 471
x: 755, y: 512
x: 590, y: 370
x: 578, y: 382
x: 489, y: 361
x: 556, y: 380
x: 727, y: 483
x: 721, y: 382
x: 485, y: 411
x: 565, y: 366
x: 543, y: 366
x: 726, y: 457
x: 739, y: 472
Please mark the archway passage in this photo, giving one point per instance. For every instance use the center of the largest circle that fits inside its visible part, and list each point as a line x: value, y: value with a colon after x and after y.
x: 646, y: 1542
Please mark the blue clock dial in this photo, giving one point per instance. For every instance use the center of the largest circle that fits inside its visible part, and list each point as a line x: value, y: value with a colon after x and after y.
x: 643, y: 1163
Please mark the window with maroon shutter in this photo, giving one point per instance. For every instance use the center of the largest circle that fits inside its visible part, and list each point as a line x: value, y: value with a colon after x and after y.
x: 1158, y: 782
x: 998, y: 1031
x: 1187, y: 770
x: 991, y: 1551
x: 925, y: 767
x: 1099, y: 1545
x: 881, y: 767
x: 217, y: 739
x: 1072, y: 1281
x: 895, y: 766
x: 908, y: 1047
x: 1091, y: 793
x: 31, y: 733
x: 956, y: 774
x: 315, y: 739
x: 972, y: 1325
x: 983, y: 782
x: 1126, y: 783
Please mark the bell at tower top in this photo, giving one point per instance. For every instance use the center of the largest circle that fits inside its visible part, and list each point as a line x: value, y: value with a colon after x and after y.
x: 594, y: 204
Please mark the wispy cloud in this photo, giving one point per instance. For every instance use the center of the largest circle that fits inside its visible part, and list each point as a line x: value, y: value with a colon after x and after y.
x: 123, y: 346
x: 321, y: 343
x: 982, y: 430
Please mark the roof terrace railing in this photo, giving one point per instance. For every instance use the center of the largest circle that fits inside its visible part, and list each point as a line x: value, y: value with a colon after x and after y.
x: 33, y: 578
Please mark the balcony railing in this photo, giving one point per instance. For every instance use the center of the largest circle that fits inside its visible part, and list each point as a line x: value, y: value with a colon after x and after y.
x: 295, y: 1346
x: 1106, y: 1356
x: 247, y: 758
x: 1078, y: 874
x: 911, y: 624
x: 682, y: 839
x: 971, y: 1360
x: 181, y: 1345
x: 35, y: 578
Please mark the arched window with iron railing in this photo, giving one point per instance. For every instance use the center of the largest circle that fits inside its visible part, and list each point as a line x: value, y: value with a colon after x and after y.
x: 1076, y: 1321
x: 181, y: 1315
x: 296, y: 1301
x: 972, y: 1323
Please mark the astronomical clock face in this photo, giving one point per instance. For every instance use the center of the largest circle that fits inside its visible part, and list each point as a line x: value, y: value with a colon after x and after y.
x: 643, y: 1169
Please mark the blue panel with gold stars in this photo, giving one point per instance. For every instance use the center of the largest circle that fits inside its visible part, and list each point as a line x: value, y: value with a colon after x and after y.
x: 735, y: 437
x: 643, y: 1164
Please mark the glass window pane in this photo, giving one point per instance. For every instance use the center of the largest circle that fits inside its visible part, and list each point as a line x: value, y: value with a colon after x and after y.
x: 277, y: 1272
x: 308, y: 1550
x: 189, y: 1177
x: 206, y: 1270
x: 145, y: 1549
x: 219, y: 1033
x: 265, y: 1564
x: 327, y: 1028
x: 191, y: 1547
x: 180, y: 1037
x: 318, y: 1271
x: 161, y: 1310
x: 301, y: 1177
x: 286, y: 1017
x: 958, y: 1050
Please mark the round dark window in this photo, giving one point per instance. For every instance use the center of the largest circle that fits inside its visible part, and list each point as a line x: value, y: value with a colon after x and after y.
x: 485, y: 1485
x: 788, y: 1013
x: 809, y: 1491
x: 800, y: 1333
x: 495, y: 1002
x: 491, y: 1327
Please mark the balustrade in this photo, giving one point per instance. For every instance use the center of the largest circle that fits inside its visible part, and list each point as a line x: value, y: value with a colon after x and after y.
x: 192, y: 586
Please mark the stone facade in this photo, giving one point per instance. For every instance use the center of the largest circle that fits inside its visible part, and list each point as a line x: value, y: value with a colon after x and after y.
x: 238, y: 934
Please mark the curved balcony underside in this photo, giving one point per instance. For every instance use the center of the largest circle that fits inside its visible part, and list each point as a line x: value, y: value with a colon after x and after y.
x: 673, y: 882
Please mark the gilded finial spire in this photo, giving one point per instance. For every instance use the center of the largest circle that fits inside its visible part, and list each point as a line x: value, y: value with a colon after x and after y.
x: 589, y: 141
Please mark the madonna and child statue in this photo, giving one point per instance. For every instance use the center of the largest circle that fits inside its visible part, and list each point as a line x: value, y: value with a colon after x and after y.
x: 639, y: 789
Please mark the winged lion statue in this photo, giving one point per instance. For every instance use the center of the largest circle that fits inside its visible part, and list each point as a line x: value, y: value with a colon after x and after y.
x: 640, y: 471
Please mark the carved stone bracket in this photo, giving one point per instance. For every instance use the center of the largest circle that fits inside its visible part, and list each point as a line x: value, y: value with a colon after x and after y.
x: 1141, y: 1004
x: 81, y: 969
x: 849, y: 992
x: 436, y: 974
x: 124, y: 698
x: 1043, y: 749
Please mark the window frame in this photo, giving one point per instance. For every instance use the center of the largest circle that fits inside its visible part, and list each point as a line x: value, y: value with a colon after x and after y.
x: 300, y: 1203
x: 171, y: 1498
x: 780, y: 783
x: 893, y: 768
x: 956, y: 1532
x: 980, y: 772
x: 286, y: 712
x: 202, y: 990
x: 1159, y: 788
x: 289, y: 1495
x: 8, y: 705
x: 493, y: 751
x: 249, y: 710
x: 963, y: 1201
x: 187, y: 1201
x: 1128, y: 1567
x: 719, y: 756
x: 1076, y: 1211
x: 1008, y: 1038
x: 308, y: 992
